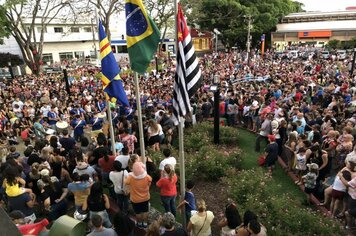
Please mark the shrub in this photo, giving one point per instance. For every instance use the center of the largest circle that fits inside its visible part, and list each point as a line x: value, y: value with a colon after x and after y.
x: 281, y: 214
x: 207, y: 161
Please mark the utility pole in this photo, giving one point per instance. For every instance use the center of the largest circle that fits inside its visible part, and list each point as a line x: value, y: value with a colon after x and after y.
x: 248, y: 44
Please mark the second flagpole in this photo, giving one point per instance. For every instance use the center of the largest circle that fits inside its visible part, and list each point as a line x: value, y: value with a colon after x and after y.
x: 180, y: 131
x: 139, y: 116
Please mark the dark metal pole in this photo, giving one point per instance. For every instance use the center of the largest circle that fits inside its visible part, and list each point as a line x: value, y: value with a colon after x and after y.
x: 156, y: 58
x: 353, y: 64
x: 216, y: 115
x: 66, y: 80
x: 10, y: 70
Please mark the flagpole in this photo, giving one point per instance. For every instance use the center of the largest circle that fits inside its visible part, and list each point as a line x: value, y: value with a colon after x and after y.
x: 111, y: 129
x: 139, y: 115
x: 180, y: 131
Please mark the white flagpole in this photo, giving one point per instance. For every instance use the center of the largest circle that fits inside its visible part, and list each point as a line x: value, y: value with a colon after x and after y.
x: 139, y: 115
x: 111, y: 128
x: 180, y: 130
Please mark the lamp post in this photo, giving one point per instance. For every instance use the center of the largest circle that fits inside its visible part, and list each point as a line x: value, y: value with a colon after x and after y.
x: 216, y: 32
x: 10, y: 69
x: 156, y: 60
x: 216, y: 89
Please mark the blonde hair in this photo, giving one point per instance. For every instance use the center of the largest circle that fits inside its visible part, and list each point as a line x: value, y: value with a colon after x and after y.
x: 201, y: 206
x: 133, y: 158
x: 169, y: 170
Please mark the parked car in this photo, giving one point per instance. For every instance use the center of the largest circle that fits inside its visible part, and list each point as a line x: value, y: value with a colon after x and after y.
x: 342, y: 54
x: 325, y: 54
x: 293, y: 54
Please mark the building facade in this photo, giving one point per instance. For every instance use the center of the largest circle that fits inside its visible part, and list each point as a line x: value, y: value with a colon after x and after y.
x: 315, y: 28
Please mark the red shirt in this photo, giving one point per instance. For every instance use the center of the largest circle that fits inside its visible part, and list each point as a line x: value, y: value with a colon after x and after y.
x: 107, y: 166
x: 168, y: 187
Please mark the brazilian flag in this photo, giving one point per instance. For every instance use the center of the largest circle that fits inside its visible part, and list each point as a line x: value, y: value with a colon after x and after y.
x: 142, y: 35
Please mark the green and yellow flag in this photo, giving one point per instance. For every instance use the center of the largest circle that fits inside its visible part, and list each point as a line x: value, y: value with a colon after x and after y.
x: 142, y: 35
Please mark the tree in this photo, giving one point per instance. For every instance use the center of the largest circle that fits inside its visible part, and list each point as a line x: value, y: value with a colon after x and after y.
x: 228, y: 16
x: 333, y: 44
x: 4, y: 30
x: 26, y: 18
x: 162, y: 12
x: 106, y: 9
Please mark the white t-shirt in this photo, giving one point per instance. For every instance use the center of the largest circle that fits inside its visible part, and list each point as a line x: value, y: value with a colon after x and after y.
x: 169, y: 160
x: 124, y: 159
x: 338, y: 185
x: 119, y: 183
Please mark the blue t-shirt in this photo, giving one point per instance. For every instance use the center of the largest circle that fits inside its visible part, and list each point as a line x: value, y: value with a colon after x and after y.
x: 78, y: 127
x: 51, y: 114
x: 189, y: 197
x: 97, y: 123
x: 75, y: 187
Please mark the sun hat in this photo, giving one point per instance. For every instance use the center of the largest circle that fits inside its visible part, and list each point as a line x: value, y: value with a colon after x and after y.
x: 44, y: 172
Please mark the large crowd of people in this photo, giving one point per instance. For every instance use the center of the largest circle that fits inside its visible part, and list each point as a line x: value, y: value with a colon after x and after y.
x: 57, y: 150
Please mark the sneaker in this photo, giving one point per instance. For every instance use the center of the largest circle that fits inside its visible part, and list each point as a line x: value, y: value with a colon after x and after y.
x: 144, y: 225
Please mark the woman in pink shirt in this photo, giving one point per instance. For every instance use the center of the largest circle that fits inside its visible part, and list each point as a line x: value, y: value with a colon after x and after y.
x: 168, y: 186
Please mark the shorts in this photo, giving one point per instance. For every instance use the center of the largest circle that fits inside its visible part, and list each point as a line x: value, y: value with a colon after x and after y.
x: 352, y: 207
x: 309, y: 190
x: 153, y: 140
x: 141, y: 207
x: 339, y: 195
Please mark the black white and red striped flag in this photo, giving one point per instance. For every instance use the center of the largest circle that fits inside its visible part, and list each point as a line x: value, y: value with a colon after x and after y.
x: 188, y: 74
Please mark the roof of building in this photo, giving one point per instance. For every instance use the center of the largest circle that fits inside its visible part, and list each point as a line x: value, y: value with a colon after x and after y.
x: 319, y: 25
x: 319, y: 16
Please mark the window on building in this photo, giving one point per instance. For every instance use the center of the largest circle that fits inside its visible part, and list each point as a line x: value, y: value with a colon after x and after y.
x: 65, y: 56
x: 47, y: 58
x: 39, y: 29
x: 79, y: 56
x: 58, y: 29
x: 196, y: 43
x: 92, y: 54
x: 121, y: 49
x: 113, y: 49
x: 87, y: 29
x: 200, y: 44
x: 74, y: 29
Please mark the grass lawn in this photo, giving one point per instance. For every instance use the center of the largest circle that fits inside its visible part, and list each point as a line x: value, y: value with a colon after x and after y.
x: 281, y: 181
x: 246, y: 141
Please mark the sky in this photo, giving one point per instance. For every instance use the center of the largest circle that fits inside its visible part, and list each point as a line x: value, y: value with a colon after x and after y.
x: 327, y: 5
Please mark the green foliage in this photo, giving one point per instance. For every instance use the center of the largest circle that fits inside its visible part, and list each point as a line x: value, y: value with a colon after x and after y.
x: 348, y: 44
x: 228, y: 17
x: 333, y: 44
x: 281, y: 213
x: 207, y: 161
x: 4, y: 29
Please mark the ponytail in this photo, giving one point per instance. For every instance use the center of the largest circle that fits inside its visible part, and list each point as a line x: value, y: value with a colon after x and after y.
x: 170, y: 171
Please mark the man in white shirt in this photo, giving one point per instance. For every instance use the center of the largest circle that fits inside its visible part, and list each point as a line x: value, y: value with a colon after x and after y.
x: 45, y: 109
x: 168, y: 159
x: 124, y: 157
x: 17, y: 102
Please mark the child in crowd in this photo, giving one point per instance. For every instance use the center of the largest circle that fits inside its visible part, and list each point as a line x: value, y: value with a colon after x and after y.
x: 301, y: 164
x: 338, y: 192
x: 189, y: 200
x: 310, y: 179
